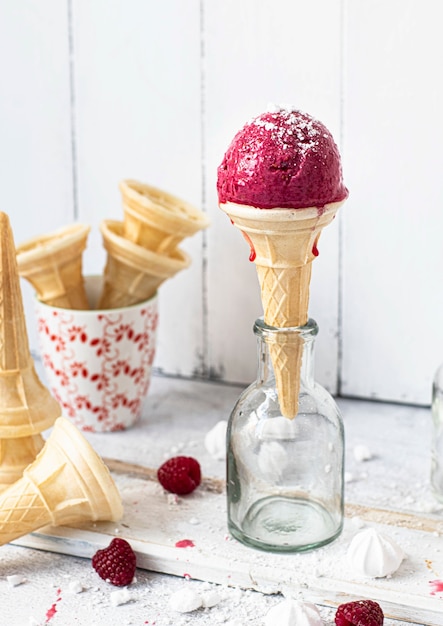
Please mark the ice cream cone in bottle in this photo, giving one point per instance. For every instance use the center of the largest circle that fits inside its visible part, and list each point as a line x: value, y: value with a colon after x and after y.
x: 283, y: 244
x: 281, y: 183
x: 67, y: 484
x: 53, y: 265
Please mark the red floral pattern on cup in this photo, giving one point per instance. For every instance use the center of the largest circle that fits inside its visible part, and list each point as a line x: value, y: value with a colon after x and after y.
x: 98, y: 364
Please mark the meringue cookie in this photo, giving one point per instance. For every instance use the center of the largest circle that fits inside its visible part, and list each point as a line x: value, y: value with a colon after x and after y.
x: 291, y: 612
x: 373, y: 554
x: 215, y: 440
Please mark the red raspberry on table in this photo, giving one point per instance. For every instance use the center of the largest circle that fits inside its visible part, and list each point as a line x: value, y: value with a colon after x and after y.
x: 359, y: 613
x: 180, y: 475
x: 116, y: 563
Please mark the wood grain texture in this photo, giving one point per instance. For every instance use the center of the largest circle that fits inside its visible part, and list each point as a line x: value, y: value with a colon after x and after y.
x: 392, y: 253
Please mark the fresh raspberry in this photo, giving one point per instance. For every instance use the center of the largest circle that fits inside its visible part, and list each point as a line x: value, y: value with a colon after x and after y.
x: 116, y: 563
x: 180, y: 475
x: 359, y: 613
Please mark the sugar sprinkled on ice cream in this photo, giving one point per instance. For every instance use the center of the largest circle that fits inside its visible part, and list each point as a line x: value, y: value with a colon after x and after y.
x: 283, y: 158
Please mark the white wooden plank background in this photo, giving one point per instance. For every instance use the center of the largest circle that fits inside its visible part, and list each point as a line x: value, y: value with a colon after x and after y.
x: 392, y: 300
x: 94, y: 92
x: 35, y: 112
x: 137, y: 91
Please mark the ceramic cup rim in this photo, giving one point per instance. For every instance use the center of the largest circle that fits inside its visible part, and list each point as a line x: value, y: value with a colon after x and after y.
x: 98, y: 278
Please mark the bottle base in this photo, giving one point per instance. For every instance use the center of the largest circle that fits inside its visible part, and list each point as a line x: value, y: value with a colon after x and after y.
x: 281, y: 524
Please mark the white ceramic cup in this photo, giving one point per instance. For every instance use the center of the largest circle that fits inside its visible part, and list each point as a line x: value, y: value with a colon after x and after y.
x: 98, y: 362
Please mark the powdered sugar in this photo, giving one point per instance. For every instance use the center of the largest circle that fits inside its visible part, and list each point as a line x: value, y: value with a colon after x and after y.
x: 283, y: 123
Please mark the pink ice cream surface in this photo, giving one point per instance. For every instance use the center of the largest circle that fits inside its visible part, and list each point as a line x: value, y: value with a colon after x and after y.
x: 283, y: 158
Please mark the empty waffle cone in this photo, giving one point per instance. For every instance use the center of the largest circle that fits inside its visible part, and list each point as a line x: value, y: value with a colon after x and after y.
x: 132, y: 273
x: 26, y: 406
x: 15, y: 456
x: 283, y: 244
x: 52, y: 263
x: 67, y: 484
x: 157, y: 220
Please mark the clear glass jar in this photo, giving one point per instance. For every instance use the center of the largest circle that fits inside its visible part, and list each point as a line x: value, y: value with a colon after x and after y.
x: 437, y: 435
x: 285, y: 476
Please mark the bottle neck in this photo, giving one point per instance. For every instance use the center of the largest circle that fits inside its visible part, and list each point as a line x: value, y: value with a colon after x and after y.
x: 297, y: 342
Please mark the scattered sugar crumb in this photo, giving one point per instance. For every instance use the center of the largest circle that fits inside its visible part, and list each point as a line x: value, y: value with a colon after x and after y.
x: 210, y: 598
x: 215, y: 440
x: 349, y: 478
x: 194, y: 521
x: 15, y: 579
x: 357, y: 522
x: 185, y: 601
x: 177, y: 448
x: 122, y: 596
x: 75, y: 586
x: 362, y: 453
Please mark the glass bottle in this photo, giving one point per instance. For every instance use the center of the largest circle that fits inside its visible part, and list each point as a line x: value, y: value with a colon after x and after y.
x: 285, y: 476
x: 437, y: 435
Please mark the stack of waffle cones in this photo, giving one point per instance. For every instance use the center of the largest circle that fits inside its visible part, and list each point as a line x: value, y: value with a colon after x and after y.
x: 142, y: 251
x: 283, y: 245
x: 26, y: 406
x: 62, y: 481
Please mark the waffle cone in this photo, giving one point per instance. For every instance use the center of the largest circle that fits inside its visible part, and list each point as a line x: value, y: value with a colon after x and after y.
x: 133, y: 274
x: 283, y: 244
x: 156, y: 220
x: 15, y: 456
x: 67, y: 484
x: 53, y: 265
x: 26, y: 406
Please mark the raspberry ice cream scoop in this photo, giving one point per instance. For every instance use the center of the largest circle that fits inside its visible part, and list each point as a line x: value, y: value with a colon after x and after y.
x: 283, y: 158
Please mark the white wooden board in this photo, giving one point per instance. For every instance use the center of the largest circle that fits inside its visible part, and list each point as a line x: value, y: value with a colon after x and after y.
x: 154, y: 522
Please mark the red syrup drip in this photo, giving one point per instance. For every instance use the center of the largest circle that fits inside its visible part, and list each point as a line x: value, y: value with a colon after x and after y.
x: 53, y: 609
x: 253, y: 254
x: 185, y: 543
x: 315, y: 250
x: 51, y: 612
x: 436, y: 586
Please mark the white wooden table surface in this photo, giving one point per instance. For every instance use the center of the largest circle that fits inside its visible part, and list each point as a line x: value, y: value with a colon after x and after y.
x: 177, y: 416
